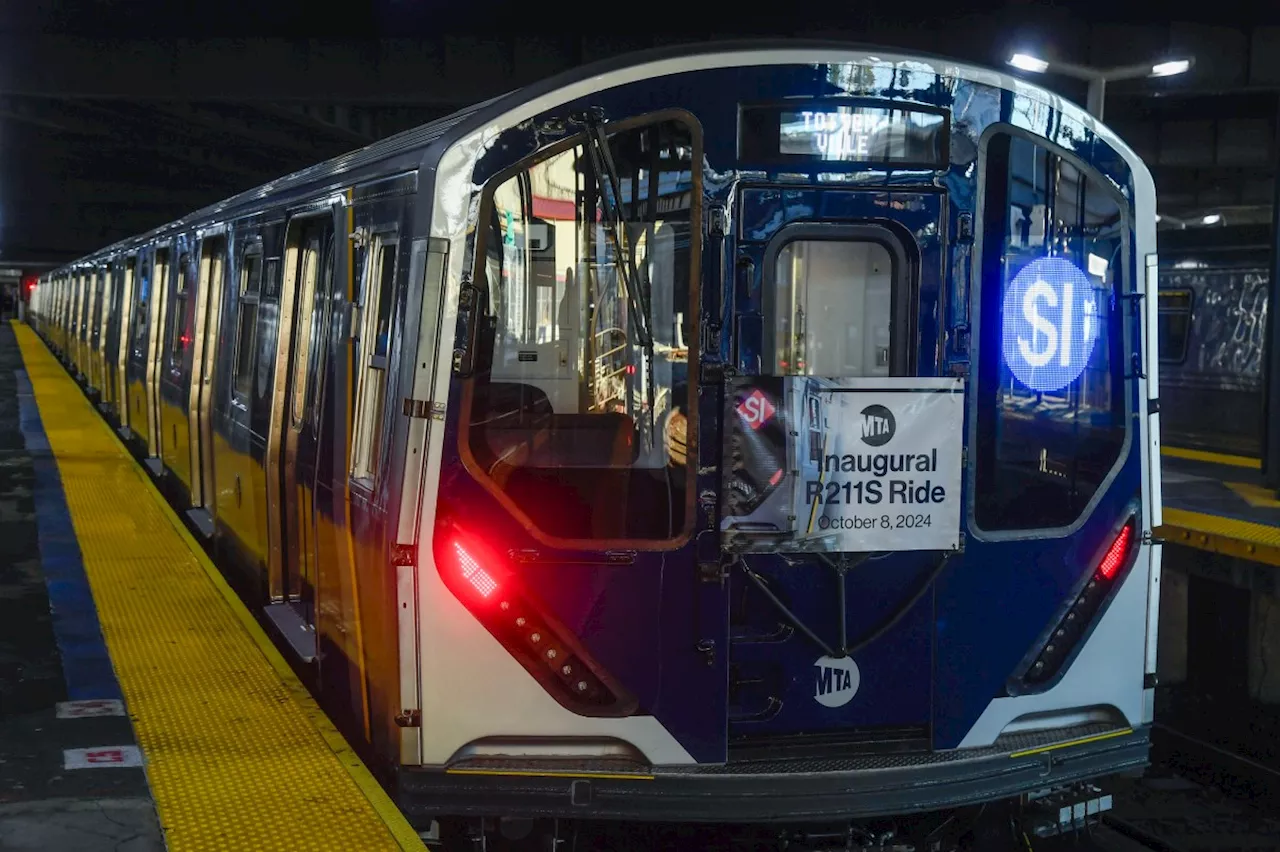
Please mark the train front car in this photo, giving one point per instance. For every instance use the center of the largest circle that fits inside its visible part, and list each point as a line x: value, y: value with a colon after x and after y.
x: 798, y: 454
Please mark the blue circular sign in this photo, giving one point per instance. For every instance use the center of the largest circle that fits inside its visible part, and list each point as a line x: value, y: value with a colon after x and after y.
x: 1051, y: 319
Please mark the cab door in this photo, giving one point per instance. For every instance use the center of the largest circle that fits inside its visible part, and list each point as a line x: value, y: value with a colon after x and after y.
x: 826, y: 649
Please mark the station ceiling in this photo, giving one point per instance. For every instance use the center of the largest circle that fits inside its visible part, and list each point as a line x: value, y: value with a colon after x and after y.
x: 114, y: 120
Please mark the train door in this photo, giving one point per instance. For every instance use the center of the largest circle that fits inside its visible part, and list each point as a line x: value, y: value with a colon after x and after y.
x: 83, y: 284
x: 835, y: 290
x: 292, y: 445
x: 213, y: 256
x: 102, y: 316
x: 124, y: 337
x: 155, y: 354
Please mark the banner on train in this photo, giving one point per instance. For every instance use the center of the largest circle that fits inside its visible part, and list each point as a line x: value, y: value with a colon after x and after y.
x: 843, y: 465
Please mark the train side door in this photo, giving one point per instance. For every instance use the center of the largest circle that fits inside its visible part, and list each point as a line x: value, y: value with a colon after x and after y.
x: 213, y: 260
x: 291, y: 450
x: 155, y: 354
x: 124, y: 337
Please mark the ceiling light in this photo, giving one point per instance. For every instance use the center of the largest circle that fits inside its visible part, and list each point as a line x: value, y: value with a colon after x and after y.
x: 1211, y: 219
x: 1170, y: 68
x: 1027, y: 62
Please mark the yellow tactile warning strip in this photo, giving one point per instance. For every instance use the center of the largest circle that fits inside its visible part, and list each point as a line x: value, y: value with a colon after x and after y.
x: 238, y: 754
x: 1212, y: 458
x: 1255, y: 542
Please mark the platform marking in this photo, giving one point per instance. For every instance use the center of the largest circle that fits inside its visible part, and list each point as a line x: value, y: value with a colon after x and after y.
x: 87, y: 709
x: 1212, y: 458
x: 101, y: 757
x: 1255, y: 495
x: 316, y: 814
x: 86, y: 663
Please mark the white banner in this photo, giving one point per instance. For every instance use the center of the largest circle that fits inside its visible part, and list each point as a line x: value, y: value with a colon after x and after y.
x: 870, y: 465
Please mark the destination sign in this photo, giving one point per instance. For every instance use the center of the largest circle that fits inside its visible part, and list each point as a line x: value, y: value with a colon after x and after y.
x: 884, y: 135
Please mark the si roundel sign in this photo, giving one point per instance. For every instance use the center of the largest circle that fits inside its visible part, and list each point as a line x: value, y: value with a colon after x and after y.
x: 756, y: 410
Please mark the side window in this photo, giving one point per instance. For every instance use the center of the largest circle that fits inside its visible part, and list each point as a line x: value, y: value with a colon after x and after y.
x: 375, y: 333
x: 1050, y: 392
x: 247, y: 320
x: 179, y: 335
x: 141, y: 312
x: 577, y: 415
x: 315, y: 269
x: 1175, y: 324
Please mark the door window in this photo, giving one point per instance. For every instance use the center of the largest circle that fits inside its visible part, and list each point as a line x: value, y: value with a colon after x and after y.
x: 834, y: 308
x: 247, y: 321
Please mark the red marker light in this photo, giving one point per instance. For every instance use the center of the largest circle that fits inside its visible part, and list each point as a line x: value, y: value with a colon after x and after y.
x: 479, y: 578
x: 1116, y: 553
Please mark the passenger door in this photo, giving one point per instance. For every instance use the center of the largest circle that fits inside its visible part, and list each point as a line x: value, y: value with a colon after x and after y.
x: 213, y: 257
x: 155, y: 354
x: 292, y: 448
x: 830, y: 284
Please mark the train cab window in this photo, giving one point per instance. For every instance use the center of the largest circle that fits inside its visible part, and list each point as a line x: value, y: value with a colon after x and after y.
x: 577, y: 416
x: 379, y: 301
x: 247, y: 321
x: 833, y: 308
x: 1174, y: 316
x: 1050, y: 406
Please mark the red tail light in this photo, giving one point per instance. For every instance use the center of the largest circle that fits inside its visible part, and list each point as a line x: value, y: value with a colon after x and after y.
x: 1111, y: 563
x: 471, y: 570
x: 1065, y: 638
x: 486, y: 584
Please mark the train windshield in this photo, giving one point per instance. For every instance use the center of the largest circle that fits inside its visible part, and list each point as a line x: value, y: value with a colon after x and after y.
x: 578, y: 412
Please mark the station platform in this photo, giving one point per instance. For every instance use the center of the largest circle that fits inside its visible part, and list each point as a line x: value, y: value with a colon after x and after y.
x: 141, y: 705
x: 1217, y: 502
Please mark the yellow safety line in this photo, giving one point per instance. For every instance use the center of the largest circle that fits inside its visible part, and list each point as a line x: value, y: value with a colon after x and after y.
x: 1069, y: 743
x: 1213, y: 458
x: 308, y: 811
x: 1216, y: 534
x: 551, y: 773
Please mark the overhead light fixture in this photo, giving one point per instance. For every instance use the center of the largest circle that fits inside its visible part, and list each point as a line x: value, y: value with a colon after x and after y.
x: 1211, y: 219
x: 1159, y: 218
x: 1027, y: 62
x: 1170, y: 68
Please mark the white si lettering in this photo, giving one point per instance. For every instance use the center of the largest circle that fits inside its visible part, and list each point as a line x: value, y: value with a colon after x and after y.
x: 1030, y: 311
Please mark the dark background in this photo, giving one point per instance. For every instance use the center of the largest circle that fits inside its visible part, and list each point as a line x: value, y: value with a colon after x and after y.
x: 119, y: 116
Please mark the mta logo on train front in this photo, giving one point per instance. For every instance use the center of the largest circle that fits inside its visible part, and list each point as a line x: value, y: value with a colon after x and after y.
x: 756, y: 409
x: 1050, y: 323
x: 878, y: 425
x: 835, y: 681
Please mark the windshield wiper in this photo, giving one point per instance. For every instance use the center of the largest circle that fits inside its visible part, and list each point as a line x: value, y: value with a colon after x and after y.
x: 637, y: 297
x: 602, y: 163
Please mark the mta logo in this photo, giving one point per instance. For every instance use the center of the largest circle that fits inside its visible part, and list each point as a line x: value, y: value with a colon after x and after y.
x: 835, y: 681
x: 878, y: 425
x: 756, y: 409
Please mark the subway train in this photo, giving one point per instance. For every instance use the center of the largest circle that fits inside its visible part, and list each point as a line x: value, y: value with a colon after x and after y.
x: 737, y: 432
x: 1213, y: 318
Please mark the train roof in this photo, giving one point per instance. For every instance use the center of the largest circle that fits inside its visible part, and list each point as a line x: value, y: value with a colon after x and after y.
x: 435, y: 138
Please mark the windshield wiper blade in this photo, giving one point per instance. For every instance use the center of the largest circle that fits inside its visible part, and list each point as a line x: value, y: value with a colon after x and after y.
x: 602, y: 163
